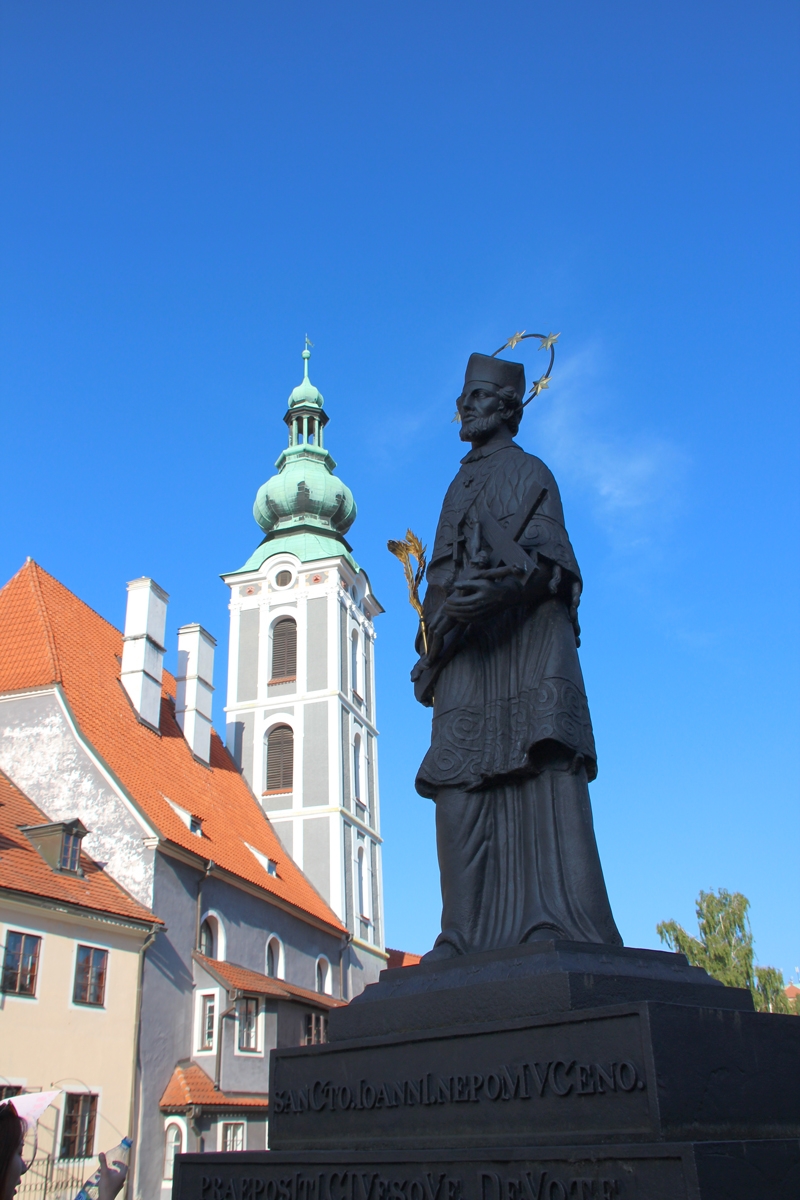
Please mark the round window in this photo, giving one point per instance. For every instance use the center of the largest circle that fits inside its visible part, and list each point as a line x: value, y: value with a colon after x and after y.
x: 283, y: 578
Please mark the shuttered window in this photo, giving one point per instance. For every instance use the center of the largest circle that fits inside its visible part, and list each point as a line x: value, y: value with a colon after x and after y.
x: 284, y: 649
x: 280, y: 758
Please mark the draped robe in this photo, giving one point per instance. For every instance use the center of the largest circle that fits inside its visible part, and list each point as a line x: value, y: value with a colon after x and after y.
x: 512, y: 749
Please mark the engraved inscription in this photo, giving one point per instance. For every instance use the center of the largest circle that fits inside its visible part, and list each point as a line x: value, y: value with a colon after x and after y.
x: 529, y: 1181
x: 518, y: 1081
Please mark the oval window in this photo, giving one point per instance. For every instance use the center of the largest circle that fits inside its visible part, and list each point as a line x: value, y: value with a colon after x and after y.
x: 283, y: 578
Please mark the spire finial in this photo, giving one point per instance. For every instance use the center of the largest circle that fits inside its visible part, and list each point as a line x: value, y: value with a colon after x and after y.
x: 307, y: 356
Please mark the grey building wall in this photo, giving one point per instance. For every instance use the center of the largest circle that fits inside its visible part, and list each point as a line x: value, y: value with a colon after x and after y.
x: 169, y: 988
x: 248, y: 654
x: 166, y: 1019
x: 241, y: 733
x: 368, y: 678
x: 343, y: 649
x: 317, y: 642
x: 281, y: 689
x: 348, y: 877
x: 376, y: 893
x: 346, y: 787
x: 315, y: 753
x: 285, y: 832
x: 372, y: 806
x: 317, y: 854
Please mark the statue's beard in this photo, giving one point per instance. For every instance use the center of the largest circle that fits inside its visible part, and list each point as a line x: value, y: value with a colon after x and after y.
x: 478, y: 429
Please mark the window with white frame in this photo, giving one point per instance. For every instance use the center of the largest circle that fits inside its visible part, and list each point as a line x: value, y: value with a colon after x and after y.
x: 91, y: 969
x: 208, y: 1021
x: 323, y: 975
x: 207, y: 939
x: 247, y: 1013
x: 77, y: 1131
x: 232, y: 1136
x: 274, y: 957
x: 173, y: 1144
x: 21, y: 963
x: 279, y: 759
x: 284, y: 650
x: 212, y: 936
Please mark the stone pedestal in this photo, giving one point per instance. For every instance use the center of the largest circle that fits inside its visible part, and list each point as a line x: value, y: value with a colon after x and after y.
x: 549, y: 1071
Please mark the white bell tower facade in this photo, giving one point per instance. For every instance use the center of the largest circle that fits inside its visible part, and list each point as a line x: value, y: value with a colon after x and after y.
x: 301, y: 684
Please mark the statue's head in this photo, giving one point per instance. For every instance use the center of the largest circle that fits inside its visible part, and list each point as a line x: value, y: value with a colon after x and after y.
x: 492, y: 396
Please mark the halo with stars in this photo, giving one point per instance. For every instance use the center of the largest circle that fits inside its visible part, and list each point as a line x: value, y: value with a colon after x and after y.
x: 547, y: 341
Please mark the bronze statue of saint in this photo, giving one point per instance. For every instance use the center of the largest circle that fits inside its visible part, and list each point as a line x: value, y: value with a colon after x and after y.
x: 512, y: 751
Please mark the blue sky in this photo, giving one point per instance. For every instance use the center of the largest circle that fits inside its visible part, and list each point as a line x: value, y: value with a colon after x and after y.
x: 187, y: 189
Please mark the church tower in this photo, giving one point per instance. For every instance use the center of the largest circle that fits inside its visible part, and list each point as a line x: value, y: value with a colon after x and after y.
x: 301, y: 685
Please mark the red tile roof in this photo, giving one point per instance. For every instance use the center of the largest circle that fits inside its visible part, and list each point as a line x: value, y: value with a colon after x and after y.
x: 22, y: 868
x: 48, y: 635
x: 401, y: 958
x: 190, y: 1085
x: 241, y: 979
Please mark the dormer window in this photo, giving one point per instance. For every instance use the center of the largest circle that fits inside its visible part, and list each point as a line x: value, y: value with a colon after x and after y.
x: 59, y: 843
x: 196, y: 826
x: 70, y: 852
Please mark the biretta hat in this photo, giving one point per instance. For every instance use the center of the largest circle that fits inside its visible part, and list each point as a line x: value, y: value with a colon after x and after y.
x: 495, y: 372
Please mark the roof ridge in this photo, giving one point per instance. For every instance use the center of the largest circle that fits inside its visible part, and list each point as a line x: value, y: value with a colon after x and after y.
x: 54, y: 579
x: 75, y: 596
x: 43, y: 613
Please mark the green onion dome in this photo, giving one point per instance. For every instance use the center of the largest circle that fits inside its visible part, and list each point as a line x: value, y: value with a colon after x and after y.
x: 305, y: 492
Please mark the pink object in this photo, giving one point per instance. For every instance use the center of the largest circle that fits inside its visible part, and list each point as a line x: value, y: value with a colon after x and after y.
x: 31, y: 1105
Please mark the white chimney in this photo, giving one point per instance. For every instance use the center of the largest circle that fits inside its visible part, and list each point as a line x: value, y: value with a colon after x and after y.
x: 143, y: 647
x: 194, y: 690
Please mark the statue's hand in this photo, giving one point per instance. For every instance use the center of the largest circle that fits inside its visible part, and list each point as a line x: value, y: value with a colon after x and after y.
x: 438, y: 626
x: 479, y: 598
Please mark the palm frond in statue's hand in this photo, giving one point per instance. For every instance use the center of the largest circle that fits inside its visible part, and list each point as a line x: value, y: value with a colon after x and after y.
x: 412, y: 547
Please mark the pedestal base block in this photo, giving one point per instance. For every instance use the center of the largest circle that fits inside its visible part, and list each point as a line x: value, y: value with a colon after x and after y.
x: 548, y: 1072
x: 751, y: 1170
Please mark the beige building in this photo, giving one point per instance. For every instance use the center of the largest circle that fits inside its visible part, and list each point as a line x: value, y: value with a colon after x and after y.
x: 71, y: 941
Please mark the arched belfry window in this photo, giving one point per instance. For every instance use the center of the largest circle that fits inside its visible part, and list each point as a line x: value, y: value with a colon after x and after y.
x: 284, y: 649
x: 280, y: 758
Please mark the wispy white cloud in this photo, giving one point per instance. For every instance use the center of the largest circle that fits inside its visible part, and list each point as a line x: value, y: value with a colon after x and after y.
x: 632, y: 478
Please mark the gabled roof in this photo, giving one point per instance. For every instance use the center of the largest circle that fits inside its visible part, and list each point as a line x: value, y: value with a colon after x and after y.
x: 189, y: 1085
x: 241, y: 979
x: 48, y: 635
x: 23, y: 870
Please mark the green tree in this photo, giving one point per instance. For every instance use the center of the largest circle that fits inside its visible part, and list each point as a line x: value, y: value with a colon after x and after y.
x: 724, y: 948
x: 770, y: 992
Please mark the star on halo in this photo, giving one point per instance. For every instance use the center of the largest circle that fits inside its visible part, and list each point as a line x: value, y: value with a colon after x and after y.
x: 547, y: 343
x: 512, y: 341
x: 540, y: 385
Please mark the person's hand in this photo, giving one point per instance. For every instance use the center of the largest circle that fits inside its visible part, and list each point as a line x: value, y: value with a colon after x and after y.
x: 111, y: 1181
x: 478, y: 598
